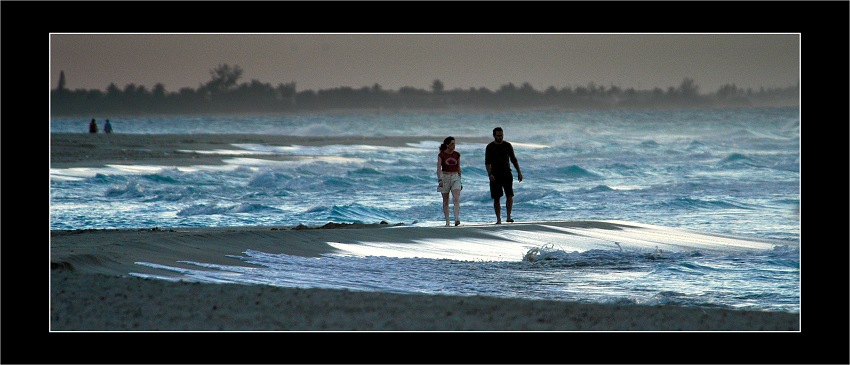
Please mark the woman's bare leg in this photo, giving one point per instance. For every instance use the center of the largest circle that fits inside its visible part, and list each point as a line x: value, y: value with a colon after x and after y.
x: 456, y: 201
x: 446, y: 207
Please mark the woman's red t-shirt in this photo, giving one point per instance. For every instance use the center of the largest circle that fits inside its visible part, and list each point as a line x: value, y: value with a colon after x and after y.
x: 450, y: 162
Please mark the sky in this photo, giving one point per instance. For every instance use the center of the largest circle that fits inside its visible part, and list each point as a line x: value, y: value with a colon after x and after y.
x: 458, y: 60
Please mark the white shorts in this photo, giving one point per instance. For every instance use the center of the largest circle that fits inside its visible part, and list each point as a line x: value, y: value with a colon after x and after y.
x: 450, y: 182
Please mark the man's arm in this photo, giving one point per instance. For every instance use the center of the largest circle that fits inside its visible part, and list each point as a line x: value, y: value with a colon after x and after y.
x: 487, y: 163
x: 515, y: 162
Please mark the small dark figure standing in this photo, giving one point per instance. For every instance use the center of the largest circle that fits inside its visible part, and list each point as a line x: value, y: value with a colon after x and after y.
x: 93, y: 126
x: 107, y: 128
x: 498, y: 156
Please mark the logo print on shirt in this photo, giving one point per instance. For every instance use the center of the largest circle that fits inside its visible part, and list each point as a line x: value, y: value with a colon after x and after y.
x: 451, y: 161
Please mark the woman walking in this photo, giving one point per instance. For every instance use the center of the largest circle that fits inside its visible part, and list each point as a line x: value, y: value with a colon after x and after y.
x: 448, y: 173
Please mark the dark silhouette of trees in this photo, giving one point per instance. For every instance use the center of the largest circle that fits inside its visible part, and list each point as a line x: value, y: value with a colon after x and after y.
x: 61, y: 86
x: 224, y: 78
x: 224, y: 93
x: 437, y: 87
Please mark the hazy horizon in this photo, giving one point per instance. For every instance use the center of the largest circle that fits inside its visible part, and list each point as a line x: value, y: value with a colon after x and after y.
x: 326, y: 61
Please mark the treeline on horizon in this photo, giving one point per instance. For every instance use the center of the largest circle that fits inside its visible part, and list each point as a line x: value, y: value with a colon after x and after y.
x: 223, y: 93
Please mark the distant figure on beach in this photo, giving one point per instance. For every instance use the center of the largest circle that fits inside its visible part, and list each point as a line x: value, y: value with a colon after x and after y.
x: 107, y: 128
x: 93, y: 126
x: 498, y: 156
x: 448, y: 174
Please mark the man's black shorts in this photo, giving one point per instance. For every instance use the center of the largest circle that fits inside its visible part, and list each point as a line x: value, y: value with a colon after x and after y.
x: 502, y: 181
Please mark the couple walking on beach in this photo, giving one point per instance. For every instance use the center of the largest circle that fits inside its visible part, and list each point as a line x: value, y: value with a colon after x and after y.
x: 498, y: 157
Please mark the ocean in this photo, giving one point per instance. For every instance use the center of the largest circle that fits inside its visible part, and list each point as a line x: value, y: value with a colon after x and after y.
x: 698, y: 172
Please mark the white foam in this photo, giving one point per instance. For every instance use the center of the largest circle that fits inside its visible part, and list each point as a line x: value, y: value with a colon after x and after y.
x: 467, y: 249
x: 529, y: 145
x: 224, y: 152
x: 511, y: 241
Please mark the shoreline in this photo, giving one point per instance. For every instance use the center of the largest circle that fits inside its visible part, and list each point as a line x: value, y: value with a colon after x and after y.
x: 92, y: 290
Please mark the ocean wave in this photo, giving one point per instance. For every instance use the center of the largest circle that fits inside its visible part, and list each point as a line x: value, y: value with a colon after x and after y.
x: 555, y: 257
x: 269, y: 179
x: 740, y: 160
x: 130, y: 190
x: 407, y: 179
x: 364, y: 171
x: 700, y: 156
x: 314, y: 184
x: 735, y: 157
x: 596, y: 189
x: 690, y: 203
x: 787, y: 166
x: 351, y: 213
x: 623, y: 169
x: 696, y: 145
x: 174, y: 195
x: 159, y: 178
x: 783, y: 256
x: 530, y: 195
x: 100, y: 178
x: 336, y: 183
x: 574, y: 171
x: 203, y: 209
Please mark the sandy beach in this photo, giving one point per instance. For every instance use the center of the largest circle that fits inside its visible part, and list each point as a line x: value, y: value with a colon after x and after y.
x: 91, y: 288
x: 92, y: 291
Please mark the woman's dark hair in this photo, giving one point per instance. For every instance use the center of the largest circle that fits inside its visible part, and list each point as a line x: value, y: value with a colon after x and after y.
x: 445, y: 143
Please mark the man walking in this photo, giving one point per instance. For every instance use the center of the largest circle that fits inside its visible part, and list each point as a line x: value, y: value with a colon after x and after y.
x: 498, y: 156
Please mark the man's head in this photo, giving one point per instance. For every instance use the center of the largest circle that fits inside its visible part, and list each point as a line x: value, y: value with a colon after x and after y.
x: 498, y: 134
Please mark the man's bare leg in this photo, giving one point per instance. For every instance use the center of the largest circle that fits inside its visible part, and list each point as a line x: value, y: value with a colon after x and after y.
x: 509, y: 204
x: 498, y: 209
